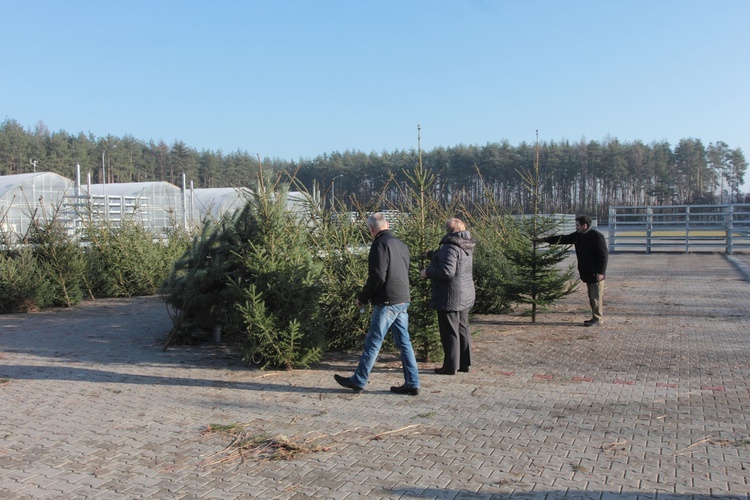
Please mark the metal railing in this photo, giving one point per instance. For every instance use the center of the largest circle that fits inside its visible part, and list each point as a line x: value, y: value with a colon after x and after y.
x: 680, y: 228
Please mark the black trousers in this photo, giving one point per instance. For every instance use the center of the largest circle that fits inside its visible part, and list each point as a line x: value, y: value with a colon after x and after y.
x: 456, y: 339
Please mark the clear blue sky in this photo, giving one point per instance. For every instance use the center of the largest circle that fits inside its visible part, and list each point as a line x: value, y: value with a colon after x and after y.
x: 298, y: 78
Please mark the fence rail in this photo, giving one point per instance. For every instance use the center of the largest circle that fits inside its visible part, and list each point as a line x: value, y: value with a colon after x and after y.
x: 680, y: 228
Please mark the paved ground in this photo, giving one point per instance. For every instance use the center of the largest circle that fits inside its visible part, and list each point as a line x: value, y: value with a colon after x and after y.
x: 655, y: 403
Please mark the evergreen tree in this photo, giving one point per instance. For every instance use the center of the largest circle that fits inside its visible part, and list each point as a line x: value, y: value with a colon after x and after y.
x: 60, y: 259
x: 537, y: 279
x: 22, y: 284
x: 279, y: 282
x: 490, y: 225
x: 421, y: 232
x: 197, y: 287
x: 341, y: 244
x: 257, y: 275
x: 136, y: 263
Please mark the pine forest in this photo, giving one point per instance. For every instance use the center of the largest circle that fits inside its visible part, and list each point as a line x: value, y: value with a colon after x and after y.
x: 576, y: 177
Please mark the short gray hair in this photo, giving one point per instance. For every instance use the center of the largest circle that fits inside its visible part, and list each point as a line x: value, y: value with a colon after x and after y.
x: 377, y: 221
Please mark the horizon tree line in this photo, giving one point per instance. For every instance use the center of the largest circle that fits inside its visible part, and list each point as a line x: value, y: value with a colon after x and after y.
x: 576, y: 177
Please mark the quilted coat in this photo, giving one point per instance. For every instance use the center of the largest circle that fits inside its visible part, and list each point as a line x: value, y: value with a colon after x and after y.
x: 450, y: 272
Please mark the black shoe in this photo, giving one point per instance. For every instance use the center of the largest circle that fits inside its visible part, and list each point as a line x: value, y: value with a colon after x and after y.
x: 443, y: 371
x: 465, y: 369
x: 591, y: 322
x: 346, y: 382
x: 400, y: 389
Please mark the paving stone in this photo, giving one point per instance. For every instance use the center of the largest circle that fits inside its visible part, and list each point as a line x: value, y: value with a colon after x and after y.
x: 653, y: 404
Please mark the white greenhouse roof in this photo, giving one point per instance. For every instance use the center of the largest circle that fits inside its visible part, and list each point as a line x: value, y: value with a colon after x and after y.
x: 20, y: 181
x: 132, y: 188
x: 218, y: 201
x: 298, y: 201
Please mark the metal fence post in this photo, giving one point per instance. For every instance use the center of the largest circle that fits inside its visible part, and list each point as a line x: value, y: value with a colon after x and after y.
x: 687, y: 229
x: 649, y: 227
x: 730, y: 229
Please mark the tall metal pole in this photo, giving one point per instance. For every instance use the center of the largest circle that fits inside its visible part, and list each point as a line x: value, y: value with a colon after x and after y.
x: 184, y: 202
x: 33, y: 187
x: 104, y: 189
x: 333, y: 191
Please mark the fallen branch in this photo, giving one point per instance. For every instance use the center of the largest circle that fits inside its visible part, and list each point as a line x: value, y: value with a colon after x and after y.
x: 684, y: 451
x: 378, y: 436
x: 613, y: 445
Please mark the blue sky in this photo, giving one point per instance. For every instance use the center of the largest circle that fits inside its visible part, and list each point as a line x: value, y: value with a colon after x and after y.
x: 297, y: 78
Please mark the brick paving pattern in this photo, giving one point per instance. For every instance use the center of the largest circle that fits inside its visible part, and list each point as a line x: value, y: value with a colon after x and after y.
x: 653, y: 404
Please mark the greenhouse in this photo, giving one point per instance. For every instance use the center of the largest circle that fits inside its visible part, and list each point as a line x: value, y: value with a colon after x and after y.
x: 210, y: 204
x: 298, y: 201
x: 24, y: 197
x: 159, y: 206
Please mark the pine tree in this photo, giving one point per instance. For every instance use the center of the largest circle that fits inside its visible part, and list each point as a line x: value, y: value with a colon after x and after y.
x: 538, y: 278
x: 60, y: 259
x: 279, y: 283
x: 422, y: 231
x: 256, y: 275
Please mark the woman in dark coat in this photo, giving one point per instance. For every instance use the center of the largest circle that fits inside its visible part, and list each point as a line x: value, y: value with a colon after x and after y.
x: 450, y: 271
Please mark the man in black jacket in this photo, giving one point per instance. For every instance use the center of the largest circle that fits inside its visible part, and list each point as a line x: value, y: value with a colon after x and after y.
x: 592, y: 254
x: 387, y: 289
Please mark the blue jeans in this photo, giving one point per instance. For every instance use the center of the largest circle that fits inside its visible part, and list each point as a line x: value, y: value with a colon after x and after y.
x: 396, y: 318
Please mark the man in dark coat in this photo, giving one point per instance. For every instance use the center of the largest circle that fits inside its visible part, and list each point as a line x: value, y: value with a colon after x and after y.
x: 387, y: 289
x: 453, y: 294
x: 592, y: 254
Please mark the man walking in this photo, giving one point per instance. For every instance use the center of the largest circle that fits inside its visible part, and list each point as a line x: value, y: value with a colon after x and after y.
x: 387, y: 289
x: 592, y: 254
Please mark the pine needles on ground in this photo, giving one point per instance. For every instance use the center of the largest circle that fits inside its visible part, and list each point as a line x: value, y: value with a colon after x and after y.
x: 262, y: 447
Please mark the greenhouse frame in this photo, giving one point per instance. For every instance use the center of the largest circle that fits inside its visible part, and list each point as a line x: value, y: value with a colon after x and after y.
x: 28, y: 197
x: 211, y: 204
x: 158, y: 206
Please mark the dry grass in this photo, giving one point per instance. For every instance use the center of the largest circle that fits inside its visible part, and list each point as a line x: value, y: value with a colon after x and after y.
x: 708, y: 440
x: 254, y: 446
x: 248, y: 447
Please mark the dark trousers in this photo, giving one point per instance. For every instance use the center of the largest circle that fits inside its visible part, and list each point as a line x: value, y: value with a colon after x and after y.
x: 456, y: 339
